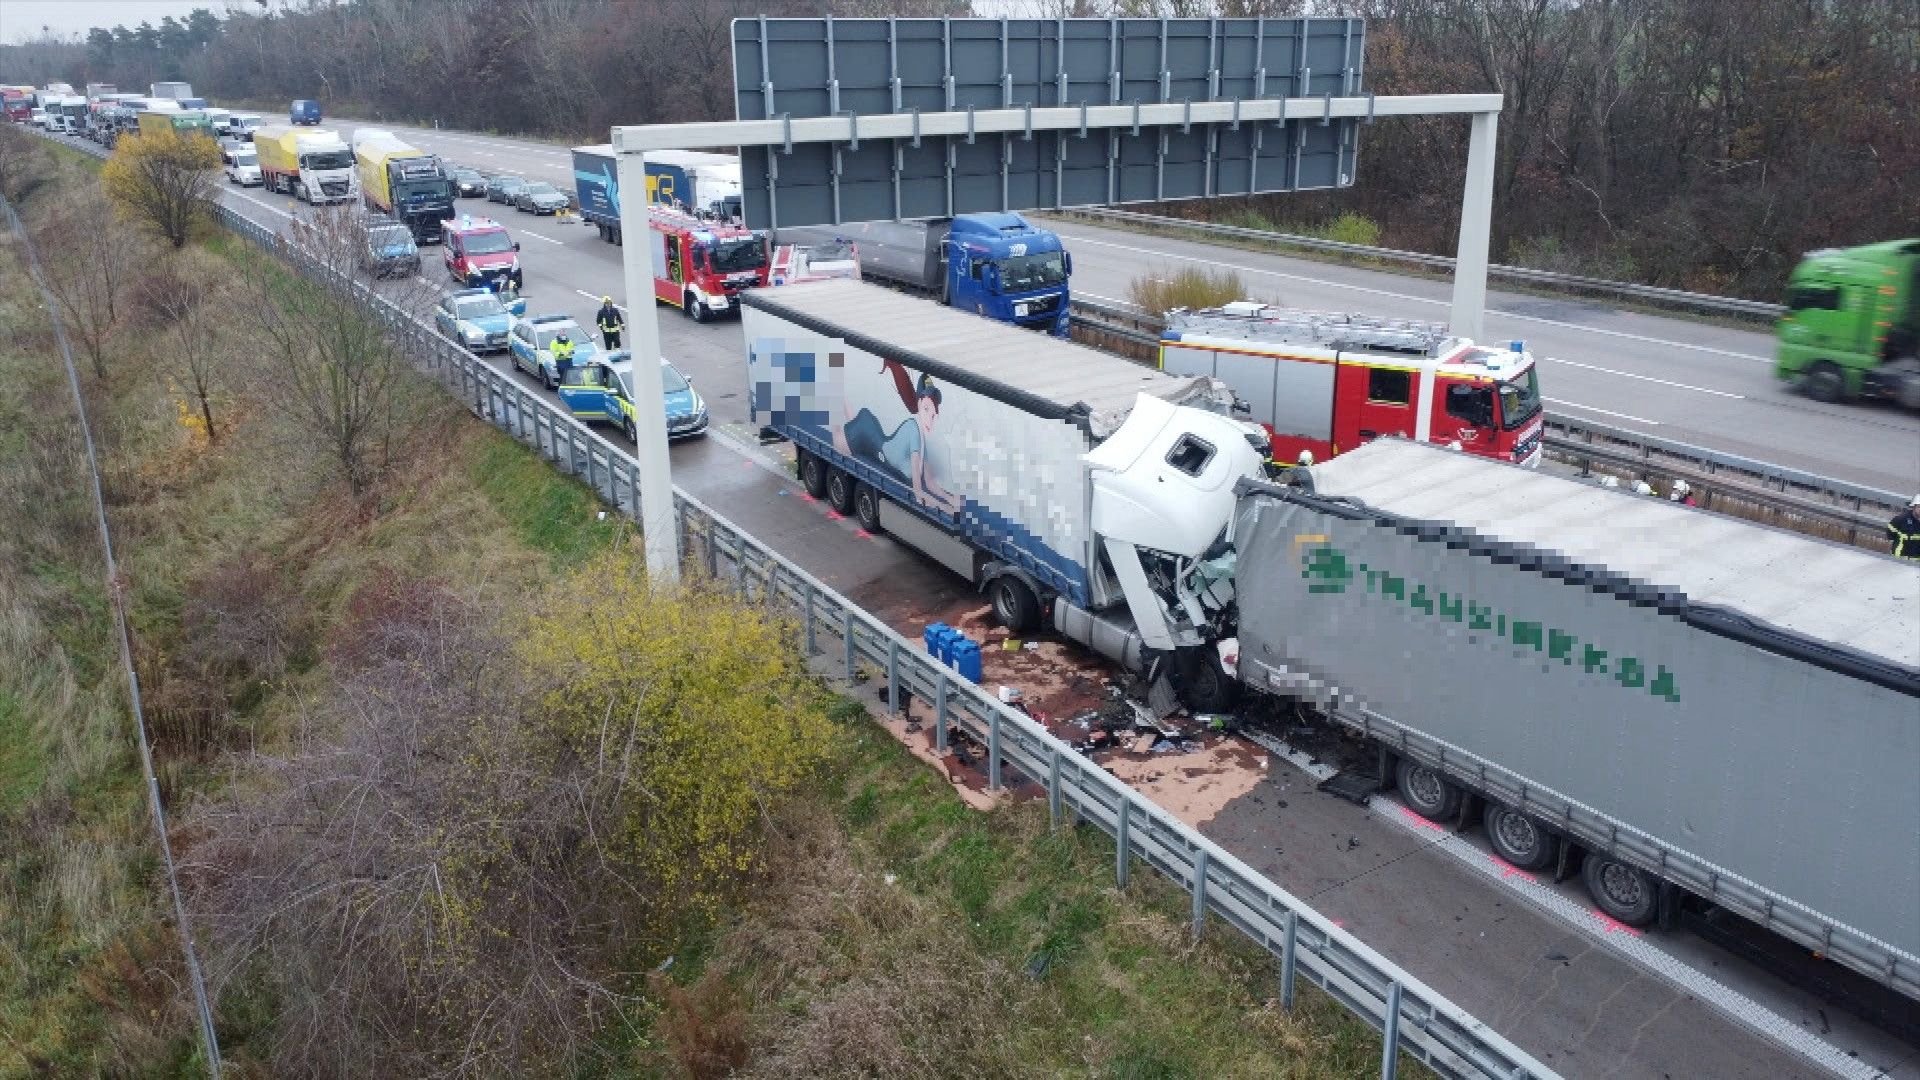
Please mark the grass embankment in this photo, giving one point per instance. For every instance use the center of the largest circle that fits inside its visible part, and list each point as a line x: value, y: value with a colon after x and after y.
x: 889, y: 930
x: 84, y: 954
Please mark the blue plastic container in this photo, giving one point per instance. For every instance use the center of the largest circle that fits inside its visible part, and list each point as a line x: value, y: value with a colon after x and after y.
x: 966, y: 659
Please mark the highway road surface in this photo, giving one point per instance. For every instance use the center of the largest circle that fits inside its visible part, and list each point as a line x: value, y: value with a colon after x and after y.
x: 1530, y: 959
x: 1666, y: 375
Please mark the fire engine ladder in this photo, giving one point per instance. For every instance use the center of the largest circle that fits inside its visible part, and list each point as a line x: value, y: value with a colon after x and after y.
x: 1327, y: 329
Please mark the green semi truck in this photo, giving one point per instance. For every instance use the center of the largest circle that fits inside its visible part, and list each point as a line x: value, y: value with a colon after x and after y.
x: 1852, y: 324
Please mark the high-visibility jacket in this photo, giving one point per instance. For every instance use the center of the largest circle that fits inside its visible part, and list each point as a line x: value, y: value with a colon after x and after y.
x: 563, y: 352
x: 609, y: 320
x: 1905, y: 530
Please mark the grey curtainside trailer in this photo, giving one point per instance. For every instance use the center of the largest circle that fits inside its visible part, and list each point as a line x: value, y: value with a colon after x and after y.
x: 1674, y: 699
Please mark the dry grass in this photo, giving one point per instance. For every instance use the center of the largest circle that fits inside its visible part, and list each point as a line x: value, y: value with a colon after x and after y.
x: 1190, y: 287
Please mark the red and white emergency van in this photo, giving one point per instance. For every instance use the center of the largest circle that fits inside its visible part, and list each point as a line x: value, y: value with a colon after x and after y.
x: 1326, y: 382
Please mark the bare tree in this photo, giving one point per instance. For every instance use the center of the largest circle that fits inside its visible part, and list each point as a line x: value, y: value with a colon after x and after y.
x: 324, y: 364
x: 181, y: 301
x: 23, y: 164
x: 90, y: 260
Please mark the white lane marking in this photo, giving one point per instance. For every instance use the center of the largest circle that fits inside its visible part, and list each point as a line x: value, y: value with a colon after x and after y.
x: 1648, y: 378
x: 621, y: 308
x: 1629, y: 944
x: 1602, y: 412
x: 1429, y: 300
x: 537, y: 236
x: 1108, y: 299
x: 261, y: 204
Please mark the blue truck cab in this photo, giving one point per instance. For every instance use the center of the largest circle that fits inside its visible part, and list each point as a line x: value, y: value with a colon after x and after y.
x: 304, y: 111
x: 1000, y: 266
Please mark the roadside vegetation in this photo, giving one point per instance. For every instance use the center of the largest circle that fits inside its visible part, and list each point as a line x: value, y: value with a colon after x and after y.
x: 1191, y: 287
x: 455, y: 791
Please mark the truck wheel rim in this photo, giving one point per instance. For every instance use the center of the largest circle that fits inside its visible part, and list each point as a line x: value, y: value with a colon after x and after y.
x: 1424, y: 785
x: 1623, y: 885
x: 1003, y: 603
x: 1517, y: 834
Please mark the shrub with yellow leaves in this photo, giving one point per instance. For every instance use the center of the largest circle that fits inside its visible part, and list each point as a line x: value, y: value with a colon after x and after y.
x: 699, y: 709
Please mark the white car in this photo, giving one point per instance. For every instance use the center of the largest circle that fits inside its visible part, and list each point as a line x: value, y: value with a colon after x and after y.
x: 39, y: 118
x: 243, y: 166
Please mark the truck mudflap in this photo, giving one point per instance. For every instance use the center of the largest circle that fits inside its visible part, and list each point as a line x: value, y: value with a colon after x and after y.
x: 1663, y: 734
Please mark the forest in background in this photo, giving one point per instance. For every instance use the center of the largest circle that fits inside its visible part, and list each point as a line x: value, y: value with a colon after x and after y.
x: 1699, y: 144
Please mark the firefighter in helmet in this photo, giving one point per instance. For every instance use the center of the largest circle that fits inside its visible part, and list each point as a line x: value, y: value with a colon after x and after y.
x: 610, y: 323
x: 1905, y: 531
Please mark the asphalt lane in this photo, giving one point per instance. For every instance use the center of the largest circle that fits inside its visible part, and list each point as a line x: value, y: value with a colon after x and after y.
x: 1548, y: 982
x: 1670, y: 376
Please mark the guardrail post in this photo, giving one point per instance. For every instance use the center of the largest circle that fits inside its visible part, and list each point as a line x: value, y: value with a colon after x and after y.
x: 1288, y: 959
x: 806, y: 615
x: 846, y: 637
x: 1053, y: 788
x: 940, y: 714
x: 1199, y: 893
x: 993, y: 751
x: 1122, y: 853
x: 1390, y: 1039
x: 893, y: 677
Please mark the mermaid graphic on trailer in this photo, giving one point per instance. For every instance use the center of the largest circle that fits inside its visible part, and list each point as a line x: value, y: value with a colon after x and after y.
x: 904, y: 452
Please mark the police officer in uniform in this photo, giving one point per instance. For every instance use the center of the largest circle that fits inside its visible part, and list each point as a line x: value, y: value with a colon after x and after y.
x: 562, y: 350
x: 610, y: 323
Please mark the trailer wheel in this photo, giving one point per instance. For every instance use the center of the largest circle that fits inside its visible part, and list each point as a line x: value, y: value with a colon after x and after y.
x: 1014, y: 605
x: 1625, y: 893
x: 866, y: 508
x: 840, y: 490
x: 1826, y: 382
x: 1519, y: 839
x: 813, y: 474
x: 1426, y: 791
x: 1204, y: 684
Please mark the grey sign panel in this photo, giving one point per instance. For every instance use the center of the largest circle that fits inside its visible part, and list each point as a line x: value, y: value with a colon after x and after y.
x: 1793, y: 776
x: 820, y: 67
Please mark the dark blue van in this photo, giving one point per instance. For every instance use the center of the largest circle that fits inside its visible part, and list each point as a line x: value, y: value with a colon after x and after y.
x: 305, y: 112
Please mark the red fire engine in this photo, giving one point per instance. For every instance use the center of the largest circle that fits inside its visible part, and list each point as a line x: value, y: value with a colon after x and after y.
x: 1327, y: 382
x: 701, y: 266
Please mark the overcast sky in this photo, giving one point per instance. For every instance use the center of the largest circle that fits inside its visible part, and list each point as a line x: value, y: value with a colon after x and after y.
x: 22, y: 19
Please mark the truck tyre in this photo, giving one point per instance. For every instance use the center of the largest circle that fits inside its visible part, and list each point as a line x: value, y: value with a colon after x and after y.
x: 1205, y: 686
x: 696, y: 310
x: 1014, y: 605
x: 1826, y: 382
x: 840, y: 490
x: 866, y: 508
x: 813, y: 474
x: 1625, y: 893
x: 1427, y: 792
x: 1519, y: 839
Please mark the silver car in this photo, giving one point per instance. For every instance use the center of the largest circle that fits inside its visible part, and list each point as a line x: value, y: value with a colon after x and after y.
x: 540, y: 197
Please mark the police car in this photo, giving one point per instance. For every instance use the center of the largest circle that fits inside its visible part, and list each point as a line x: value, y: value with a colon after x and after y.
x: 603, y: 390
x: 476, y: 318
x: 531, y: 342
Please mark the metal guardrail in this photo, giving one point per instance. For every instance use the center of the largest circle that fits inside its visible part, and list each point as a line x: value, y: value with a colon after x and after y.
x: 1728, y: 483
x: 1719, y: 305
x: 1414, y: 1019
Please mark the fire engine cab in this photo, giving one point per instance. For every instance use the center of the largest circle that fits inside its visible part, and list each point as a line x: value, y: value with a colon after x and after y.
x: 701, y: 266
x: 1326, y: 382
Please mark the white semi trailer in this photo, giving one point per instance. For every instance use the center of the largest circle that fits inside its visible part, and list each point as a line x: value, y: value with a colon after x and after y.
x: 1666, y: 701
